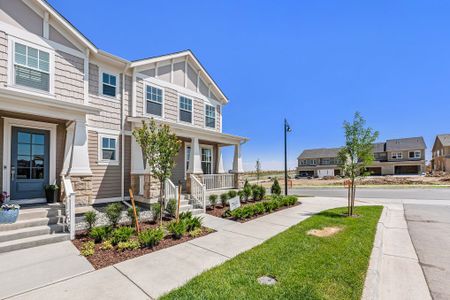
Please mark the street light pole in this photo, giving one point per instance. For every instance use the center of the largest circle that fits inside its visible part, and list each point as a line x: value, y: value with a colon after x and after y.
x: 286, y: 130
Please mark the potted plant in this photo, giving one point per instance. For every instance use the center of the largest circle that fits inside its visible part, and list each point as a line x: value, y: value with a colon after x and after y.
x: 8, y: 212
x: 51, y: 192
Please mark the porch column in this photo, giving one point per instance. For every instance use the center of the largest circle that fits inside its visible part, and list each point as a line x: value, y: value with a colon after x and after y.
x: 219, y: 161
x: 238, y: 168
x: 195, y: 162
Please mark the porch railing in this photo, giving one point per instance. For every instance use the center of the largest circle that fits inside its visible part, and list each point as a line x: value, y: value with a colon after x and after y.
x: 70, y: 206
x: 218, y: 181
x: 198, y: 193
x: 171, y: 191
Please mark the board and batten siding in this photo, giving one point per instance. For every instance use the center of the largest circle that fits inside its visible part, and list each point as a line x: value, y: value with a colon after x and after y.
x: 3, y: 58
x: 69, y: 77
x: 106, y: 179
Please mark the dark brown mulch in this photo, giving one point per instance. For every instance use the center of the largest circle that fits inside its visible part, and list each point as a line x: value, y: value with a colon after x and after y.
x: 104, y: 258
x: 219, y: 211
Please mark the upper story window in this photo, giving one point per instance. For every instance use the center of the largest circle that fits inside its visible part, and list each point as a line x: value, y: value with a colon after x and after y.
x: 31, y: 67
x: 185, y: 109
x: 210, y: 116
x: 108, y: 149
x: 109, y: 85
x: 397, y: 155
x: 154, y: 97
x: 415, y: 154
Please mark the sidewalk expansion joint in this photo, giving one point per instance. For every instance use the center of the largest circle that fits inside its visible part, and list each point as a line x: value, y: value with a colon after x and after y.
x: 129, y: 279
x: 209, y: 250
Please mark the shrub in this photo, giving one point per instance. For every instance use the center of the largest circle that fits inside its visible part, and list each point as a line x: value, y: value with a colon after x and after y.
x: 130, y: 213
x: 171, y: 208
x: 193, y: 223
x: 88, y: 248
x: 262, y: 192
x: 213, y: 200
x: 185, y: 215
x: 151, y: 237
x: 256, y: 192
x: 241, y: 195
x: 121, y: 234
x: 224, y: 198
x: 106, y: 245
x: 90, y: 217
x: 129, y: 245
x: 113, y: 212
x: 156, y: 211
x: 259, y: 209
x: 177, y: 229
x: 275, y: 189
x: 247, y: 192
x: 196, y: 232
x: 100, y: 233
x: 232, y: 194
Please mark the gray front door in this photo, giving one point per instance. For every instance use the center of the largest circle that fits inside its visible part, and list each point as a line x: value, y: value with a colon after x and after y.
x: 29, y: 163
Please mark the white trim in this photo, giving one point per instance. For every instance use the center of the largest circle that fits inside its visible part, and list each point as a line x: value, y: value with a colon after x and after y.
x: 108, y: 162
x: 215, y: 117
x: 108, y: 131
x: 415, y: 152
x: 108, y: 200
x: 8, y: 123
x: 102, y: 70
x: 133, y: 93
x: 178, y: 110
x: 144, y: 95
x: 45, y: 26
x: 210, y: 147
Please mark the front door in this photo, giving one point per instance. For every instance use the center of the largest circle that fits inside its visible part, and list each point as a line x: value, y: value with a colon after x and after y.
x: 29, y: 163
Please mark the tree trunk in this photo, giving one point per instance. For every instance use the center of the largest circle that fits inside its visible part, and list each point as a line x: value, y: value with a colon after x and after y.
x: 161, y: 200
x: 348, y: 199
x: 351, y: 197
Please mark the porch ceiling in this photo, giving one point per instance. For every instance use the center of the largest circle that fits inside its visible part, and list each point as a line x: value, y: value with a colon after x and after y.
x: 191, y: 131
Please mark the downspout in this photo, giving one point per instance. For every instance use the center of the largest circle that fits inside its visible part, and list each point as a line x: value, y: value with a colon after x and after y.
x: 122, y: 131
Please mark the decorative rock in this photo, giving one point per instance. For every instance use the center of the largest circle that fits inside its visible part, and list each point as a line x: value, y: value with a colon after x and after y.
x: 266, y: 280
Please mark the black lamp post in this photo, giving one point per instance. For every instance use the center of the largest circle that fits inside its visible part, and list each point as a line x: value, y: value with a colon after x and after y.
x: 287, y: 129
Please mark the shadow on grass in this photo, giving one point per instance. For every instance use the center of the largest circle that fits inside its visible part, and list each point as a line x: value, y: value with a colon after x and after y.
x: 330, y: 214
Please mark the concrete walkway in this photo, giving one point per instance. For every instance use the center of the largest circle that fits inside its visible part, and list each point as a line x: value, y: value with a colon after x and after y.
x: 152, y: 275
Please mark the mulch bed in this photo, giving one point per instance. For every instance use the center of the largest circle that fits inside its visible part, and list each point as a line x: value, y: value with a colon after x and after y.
x: 104, y: 258
x: 219, y: 211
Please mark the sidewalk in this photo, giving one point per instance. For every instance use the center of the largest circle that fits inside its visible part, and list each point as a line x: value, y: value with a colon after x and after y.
x: 152, y: 275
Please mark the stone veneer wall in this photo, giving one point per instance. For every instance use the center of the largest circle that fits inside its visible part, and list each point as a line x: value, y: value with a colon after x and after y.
x: 151, y: 188
x: 82, y: 186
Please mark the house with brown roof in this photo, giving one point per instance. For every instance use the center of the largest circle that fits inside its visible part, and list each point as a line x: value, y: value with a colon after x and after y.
x: 405, y: 156
x: 440, y: 161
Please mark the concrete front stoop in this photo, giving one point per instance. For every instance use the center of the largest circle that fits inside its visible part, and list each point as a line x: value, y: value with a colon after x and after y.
x: 394, y: 270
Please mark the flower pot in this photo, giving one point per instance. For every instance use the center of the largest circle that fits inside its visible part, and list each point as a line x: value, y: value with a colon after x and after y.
x: 8, y: 216
x: 51, y: 196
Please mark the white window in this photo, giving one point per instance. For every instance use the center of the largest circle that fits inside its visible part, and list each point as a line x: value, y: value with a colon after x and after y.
x: 415, y: 154
x: 31, y: 67
x: 108, y: 149
x: 188, y: 156
x: 397, y: 155
x: 210, y: 116
x: 109, y: 85
x: 207, y: 160
x: 185, y: 113
x: 154, y: 97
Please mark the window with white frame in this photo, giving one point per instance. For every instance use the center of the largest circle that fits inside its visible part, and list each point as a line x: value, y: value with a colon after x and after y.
x: 31, y: 67
x: 154, y: 97
x: 109, y: 84
x: 415, y: 154
x: 207, y: 160
x: 210, y: 116
x: 185, y: 109
x: 108, y: 149
x: 188, y: 156
x: 397, y: 155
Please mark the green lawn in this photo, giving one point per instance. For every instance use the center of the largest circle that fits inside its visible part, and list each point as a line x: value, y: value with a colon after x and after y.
x: 306, y: 267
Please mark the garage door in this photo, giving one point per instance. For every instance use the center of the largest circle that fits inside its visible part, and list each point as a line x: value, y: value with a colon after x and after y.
x: 374, y: 171
x: 407, y: 170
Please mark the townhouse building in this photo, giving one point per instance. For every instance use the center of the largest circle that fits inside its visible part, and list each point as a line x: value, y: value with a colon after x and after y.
x: 440, y: 161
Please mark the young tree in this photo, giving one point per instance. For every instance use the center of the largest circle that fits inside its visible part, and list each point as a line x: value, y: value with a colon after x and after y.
x: 258, y: 170
x: 159, y: 147
x: 356, y: 155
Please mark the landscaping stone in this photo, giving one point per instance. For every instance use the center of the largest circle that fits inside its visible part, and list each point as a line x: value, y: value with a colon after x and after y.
x: 266, y: 280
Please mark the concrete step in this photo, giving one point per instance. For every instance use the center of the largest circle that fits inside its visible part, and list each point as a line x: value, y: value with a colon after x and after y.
x: 196, y: 211
x: 37, y: 213
x: 26, y: 232
x: 184, y: 202
x: 33, y: 241
x: 32, y: 223
x: 185, y: 207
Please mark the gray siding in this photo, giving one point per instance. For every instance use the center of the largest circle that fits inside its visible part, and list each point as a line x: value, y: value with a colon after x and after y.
x: 3, y: 58
x: 69, y: 77
x: 171, y: 105
x: 139, y: 96
x: 178, y: 171
x: 178, y: 73
x: 20, y: 15
x: 56, y: 36
x: 218, y: 117
x: 199, y: 113
x: 1, y: 153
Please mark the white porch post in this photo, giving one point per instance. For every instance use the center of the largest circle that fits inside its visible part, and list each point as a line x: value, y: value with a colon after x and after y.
x: 195, y: 160
x: 77, y: 137
x: 137, y: 164
x: 237, y: 161
x: 219, y: 169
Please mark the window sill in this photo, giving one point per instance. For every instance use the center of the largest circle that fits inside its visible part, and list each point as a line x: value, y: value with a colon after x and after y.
x: 30, y: 91
x: 108, y: 162
x: 109, y: 98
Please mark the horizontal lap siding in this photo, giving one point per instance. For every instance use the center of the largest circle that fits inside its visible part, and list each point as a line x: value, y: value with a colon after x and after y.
x: 3, y: 58
x: 171, y: 105
x: 178, y: 170
x: 139, y: 96
x: 1, y: 153
x: 218, y: 117
x: 69, y: 77
x: 199, y: 113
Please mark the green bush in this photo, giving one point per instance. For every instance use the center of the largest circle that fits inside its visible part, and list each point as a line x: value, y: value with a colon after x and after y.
x: 193, y: 223
x: 106, y: 245
x: 87, y: 248
x: 256, y: 192
x: 224, y: 198
x: 171, y: 208
x: 247, y: 192
x: 275, y: 189
x: 129, y: 245
x: 213, y: 200
x: 196, y: 232
x: 156, y: 211
x: 151, y: 237
x: 241, y: 195
x: 259, y: 209
x: 130, y: 213
x: 121, y: 234
x: 185, y: 215
x: 113, y: 212
x: 100, y: 233
x: 232, y: 194
x: 177, y: 229
x: 90, y: 217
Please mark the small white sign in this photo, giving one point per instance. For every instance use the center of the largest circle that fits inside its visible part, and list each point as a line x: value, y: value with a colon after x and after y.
x: 234, y: 203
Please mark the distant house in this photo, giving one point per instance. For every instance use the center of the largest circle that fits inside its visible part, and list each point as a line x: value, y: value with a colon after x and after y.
x: 405, y: 156
x: 440, y: 161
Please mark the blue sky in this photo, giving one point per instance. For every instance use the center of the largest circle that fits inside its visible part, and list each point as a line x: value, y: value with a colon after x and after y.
x: 313, y: 62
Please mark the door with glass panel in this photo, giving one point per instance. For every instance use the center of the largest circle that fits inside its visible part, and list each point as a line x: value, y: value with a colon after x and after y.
x: 29, y: 163
x: 207, y: 160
